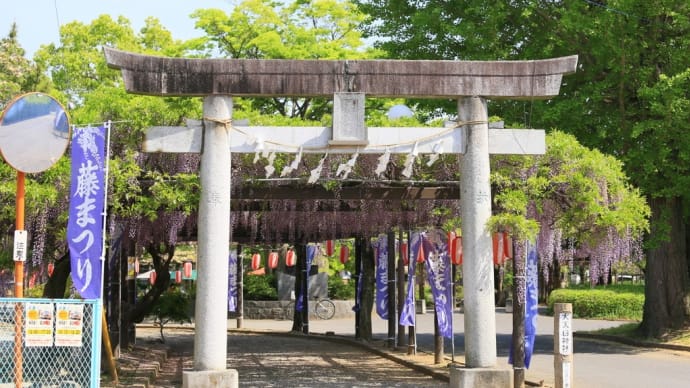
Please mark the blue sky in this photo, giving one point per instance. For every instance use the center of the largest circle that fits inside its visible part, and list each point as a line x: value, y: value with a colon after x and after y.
x: 38, y: 20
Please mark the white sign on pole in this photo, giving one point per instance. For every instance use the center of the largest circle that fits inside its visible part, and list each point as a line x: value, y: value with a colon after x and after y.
x: 19, y: 245
x: 565, y: 333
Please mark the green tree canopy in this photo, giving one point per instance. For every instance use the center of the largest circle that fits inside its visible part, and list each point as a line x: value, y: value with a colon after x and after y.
x: 577, y: 203
x: 624, y: 48
x: 268, y: 29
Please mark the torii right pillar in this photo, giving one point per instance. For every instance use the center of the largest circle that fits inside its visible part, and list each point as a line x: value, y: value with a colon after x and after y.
x: 475, y: 210
x: 477, y: 266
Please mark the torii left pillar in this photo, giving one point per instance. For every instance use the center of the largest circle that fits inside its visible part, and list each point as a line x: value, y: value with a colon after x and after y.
x: 210, y: 345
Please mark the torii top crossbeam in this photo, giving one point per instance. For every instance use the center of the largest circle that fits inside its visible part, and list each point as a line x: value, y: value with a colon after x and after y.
x: 535, y: 79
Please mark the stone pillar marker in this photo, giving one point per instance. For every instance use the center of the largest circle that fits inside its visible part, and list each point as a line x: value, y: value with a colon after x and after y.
x: 470, y: 82
x: 210, y: 345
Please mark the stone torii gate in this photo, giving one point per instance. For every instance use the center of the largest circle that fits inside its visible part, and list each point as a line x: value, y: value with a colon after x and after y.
x: 471, y: 83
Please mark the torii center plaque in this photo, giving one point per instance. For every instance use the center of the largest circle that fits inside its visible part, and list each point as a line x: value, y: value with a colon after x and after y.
x: 471, y: 83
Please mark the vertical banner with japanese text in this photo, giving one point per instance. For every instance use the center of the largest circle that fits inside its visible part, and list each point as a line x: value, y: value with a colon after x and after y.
x: 232, y: 281
x: 438, y: 270
x: 407, y: 315
x: 531, y: 304
x: 311, y: 252
x: 381, y: 249
x: 85, y: 224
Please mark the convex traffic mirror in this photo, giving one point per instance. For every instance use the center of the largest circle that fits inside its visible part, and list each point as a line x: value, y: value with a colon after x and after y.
x: 34, y: 132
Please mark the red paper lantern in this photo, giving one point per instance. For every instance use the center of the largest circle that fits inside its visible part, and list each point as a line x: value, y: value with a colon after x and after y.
x: 507, y: 246
x: 457, y: 251
x: 497, y: 242
x: 136, y: 265
x: 494, y: 247
x: 178, y: 276
x: 187, y: 268
x: 344, y: 253
x: 290, y: 258
x: 404, y: 253
x: 451, y: 243
x: 152, y: 278
x: 420, y: 254
x: 256, y: 261
x: 273, y: 260
x: 51, y: 268
x: 330, y: 247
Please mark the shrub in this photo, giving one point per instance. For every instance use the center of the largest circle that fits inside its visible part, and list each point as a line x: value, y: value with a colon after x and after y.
x: 337, y: 289
x: 624, y: 303
x: 173, y: 305
x: 260, y: 287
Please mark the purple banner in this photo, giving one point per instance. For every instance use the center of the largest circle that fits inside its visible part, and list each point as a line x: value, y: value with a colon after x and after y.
x: 232, y: 282
x: 407, y: 315
x: 85, y: 224
x: 381, y: 247
x: 311, y: 252
x: 438, y: 269
x: 531, y: 305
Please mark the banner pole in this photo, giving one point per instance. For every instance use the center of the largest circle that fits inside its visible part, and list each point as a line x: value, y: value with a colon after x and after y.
x: 104, y: 214
x: 19, y: 286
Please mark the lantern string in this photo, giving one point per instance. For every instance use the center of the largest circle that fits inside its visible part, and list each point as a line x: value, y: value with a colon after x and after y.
x: 423, y: 139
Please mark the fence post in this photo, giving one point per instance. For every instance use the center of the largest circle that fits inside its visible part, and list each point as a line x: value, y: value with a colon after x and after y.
x: 563, y: 344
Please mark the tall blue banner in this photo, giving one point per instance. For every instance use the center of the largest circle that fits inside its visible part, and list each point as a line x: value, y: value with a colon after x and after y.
x: 531, y: 305
x: 232, y: 281
x: 407, y: 315
x: 438, y: 269
x: 87, y: 197
x: 311, y: 252
x: 381, y: 247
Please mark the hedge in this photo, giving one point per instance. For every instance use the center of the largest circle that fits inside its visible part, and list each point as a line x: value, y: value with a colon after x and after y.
x: 600, y: 303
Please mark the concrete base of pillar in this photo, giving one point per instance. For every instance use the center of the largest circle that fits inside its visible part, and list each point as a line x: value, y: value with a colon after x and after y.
x: 228, y: 378
x: 480, y: 377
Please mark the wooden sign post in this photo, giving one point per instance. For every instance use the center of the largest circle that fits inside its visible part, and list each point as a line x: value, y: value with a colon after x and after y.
x: 563, y: 344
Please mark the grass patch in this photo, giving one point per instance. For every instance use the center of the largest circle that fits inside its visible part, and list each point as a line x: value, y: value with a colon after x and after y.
x: 629, y: 330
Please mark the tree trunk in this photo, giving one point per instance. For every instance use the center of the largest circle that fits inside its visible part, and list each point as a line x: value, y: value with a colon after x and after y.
x: 297, y: 318
x: 666, y: 284
x: 368, y: 286
x: 400, y: 273
x: 161, y: 256
x: 57, y: 282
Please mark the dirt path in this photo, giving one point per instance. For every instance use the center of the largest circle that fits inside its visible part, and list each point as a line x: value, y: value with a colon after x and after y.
x: 266, y: 360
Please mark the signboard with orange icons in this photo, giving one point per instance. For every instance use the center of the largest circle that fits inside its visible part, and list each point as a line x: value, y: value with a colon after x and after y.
x: 69, y: 325
x: 39, y: 324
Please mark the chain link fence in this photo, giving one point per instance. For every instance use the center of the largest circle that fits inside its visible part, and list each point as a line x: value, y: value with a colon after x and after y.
x: 49, y: 343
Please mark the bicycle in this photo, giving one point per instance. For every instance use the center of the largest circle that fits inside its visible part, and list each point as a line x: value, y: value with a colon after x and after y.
x: 322, y: 308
